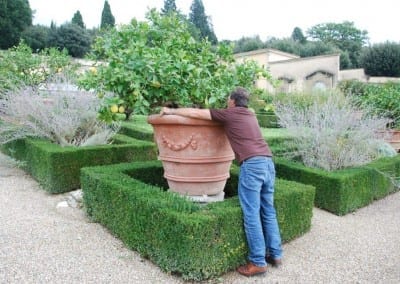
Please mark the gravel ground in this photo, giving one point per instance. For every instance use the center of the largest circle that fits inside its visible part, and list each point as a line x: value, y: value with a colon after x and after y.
x: 41, y: 242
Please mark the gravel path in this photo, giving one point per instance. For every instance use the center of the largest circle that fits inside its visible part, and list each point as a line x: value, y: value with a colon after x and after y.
x: 41, y: 242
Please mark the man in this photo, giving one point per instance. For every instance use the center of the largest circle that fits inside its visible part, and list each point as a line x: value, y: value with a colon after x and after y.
x: 256, y: 178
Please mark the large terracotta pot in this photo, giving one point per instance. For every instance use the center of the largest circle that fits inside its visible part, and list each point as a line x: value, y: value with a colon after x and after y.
x: 195, y: 153
x: 392, y: 136
x: 394, y: 139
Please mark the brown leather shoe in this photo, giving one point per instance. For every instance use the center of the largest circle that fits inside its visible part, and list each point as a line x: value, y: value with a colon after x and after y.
x: 251, y: 269
x: 275, y: 262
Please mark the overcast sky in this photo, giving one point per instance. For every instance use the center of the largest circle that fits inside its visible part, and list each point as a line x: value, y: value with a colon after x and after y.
x: 233, y: 19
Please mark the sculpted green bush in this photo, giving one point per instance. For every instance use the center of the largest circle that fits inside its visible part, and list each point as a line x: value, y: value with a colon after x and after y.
x: 157, y: 61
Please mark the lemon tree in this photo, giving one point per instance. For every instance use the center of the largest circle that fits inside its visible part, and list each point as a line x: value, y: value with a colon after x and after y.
x: 112, y: 108
x: 20, y: 67
x: 157, y: 61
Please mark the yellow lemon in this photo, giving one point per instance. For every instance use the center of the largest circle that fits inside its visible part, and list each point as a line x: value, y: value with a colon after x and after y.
x: 93, y: 70
x: 114, y: 108
x: 121, y: 109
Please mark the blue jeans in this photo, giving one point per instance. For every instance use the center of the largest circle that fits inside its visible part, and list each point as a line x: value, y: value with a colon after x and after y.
x: 256, y: 196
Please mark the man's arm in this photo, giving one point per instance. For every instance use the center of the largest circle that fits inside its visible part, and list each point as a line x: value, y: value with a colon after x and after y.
x: 188, y: 112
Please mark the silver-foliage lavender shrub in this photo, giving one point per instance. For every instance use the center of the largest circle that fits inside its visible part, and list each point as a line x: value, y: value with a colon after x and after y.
x: 328, y: 131
x: 58, y: 112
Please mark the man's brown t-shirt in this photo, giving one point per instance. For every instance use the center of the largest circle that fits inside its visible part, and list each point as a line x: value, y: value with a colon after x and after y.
x: 244, y: 134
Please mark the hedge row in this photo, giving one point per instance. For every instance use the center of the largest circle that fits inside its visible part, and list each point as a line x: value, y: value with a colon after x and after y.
x: 57, y: 169
x: 137, y: 128
x: 344, y: 191
x: 195, y: 241
x: 267, y: 120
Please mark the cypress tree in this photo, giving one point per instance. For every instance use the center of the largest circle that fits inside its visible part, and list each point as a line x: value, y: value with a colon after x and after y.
x: 298, y: 36
x: 107, y: 18
x: 200, y: 20
x: 77, y: 19
x: 169, y: 7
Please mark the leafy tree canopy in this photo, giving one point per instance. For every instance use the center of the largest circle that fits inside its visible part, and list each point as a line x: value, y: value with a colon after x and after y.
x: 382, y: 59
x: 15, y: 16
x: 71, y: 37
x: 36, y: 37
x: 248, y: 44
x: 344, y: 35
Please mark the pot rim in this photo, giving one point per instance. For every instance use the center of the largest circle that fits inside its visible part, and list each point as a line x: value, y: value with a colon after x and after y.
x: 156, y: 119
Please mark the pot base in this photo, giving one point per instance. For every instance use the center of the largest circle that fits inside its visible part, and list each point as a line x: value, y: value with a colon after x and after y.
x: 206, y: 198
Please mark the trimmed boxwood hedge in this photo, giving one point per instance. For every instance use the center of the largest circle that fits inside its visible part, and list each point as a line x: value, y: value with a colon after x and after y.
x: 57, y: 169
x: 195, y: 241
x: 267, y: 120
x: 344, y: 191
x: 138, y: 128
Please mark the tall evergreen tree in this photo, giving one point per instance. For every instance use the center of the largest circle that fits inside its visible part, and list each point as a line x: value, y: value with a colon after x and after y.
x: 298, y: 36
x: 200, y: 20
x: 169, y: 6
x: 15, y: 17
x: 77, y: 19
x: 53, y: 25
x: 107, y: 18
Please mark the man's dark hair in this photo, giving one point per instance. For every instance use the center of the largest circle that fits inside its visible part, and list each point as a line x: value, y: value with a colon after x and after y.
x: 240, y: 96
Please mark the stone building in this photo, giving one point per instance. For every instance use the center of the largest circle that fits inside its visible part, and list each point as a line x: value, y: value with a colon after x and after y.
x: 307, y: 73
x: 295, y: 73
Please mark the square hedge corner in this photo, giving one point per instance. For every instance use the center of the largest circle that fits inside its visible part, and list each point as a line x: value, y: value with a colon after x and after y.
x: 195, y: 241
x: 344, y: 191
x: 57, y: 169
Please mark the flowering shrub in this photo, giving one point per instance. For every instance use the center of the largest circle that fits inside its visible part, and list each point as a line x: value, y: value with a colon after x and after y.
x: 328, y: 131
x: 64, y: 115
x: 157, y: 61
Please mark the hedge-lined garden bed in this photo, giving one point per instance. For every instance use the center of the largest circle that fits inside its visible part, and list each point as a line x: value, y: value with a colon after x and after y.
x: 344, y: 191
x: 195, y: 241
x: 57, y: 169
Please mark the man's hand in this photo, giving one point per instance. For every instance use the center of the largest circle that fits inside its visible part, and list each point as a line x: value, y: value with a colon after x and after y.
x: 188, y: 112
x: 166, y: 110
